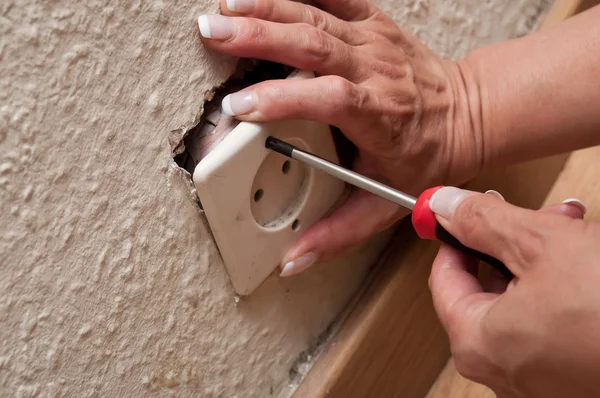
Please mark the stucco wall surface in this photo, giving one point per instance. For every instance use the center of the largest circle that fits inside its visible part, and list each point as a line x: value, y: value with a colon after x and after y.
x: 110, y: 283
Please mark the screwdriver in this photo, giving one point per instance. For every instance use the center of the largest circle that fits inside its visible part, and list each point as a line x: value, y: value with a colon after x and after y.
x: 423, y: 219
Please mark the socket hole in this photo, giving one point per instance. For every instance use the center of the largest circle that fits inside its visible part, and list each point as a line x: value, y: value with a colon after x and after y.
x: 286, y: 167
x: 258, y: 195
x: 296, y: 225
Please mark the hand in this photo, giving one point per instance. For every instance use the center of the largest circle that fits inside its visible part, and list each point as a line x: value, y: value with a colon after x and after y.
x: 536, y: 336
x: 402, y: 107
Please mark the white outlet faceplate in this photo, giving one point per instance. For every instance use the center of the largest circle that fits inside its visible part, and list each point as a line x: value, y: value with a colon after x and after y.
x: 259, y: 202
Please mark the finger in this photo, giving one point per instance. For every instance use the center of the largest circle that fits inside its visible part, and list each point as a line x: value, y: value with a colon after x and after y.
x: 492, y: 280
x: 299, y: 45
x: 331, y: 100
x: 361, y: 215
x: 285, y: 11
x: 451, y: 281
x: 575, y: 210
x: 461, y: 304
x: 487, y: 224
x: 348, y: 10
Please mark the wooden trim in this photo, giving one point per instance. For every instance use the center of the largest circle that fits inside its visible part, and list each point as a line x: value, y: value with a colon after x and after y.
x: 391, y: 344
x: 378, y: 351
x: 563, y: 9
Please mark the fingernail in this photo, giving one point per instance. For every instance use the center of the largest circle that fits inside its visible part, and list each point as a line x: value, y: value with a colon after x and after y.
x: 495, y: 193
x: 215, y: 27
x: 576, y: 202
x: 240, y: 5
x: 445, y: 201
x: 239, y: 103
x: 298, y: 265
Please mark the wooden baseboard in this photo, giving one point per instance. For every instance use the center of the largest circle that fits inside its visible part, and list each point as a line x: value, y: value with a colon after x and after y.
x: 563, y: 9
x: 379, y: 351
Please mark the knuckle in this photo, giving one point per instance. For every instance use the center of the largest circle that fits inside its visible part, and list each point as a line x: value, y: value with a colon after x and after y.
x: 254, y: 31
x: 266, y: 9
x: 466, y: 358
x: 340, y: 87
x: 313, y: 17
x: 529, y: 242
x: 468, y: 364
x: 472, y: 216
x: 316, y: 46
x: 472, y: 359
x: 345, y: 95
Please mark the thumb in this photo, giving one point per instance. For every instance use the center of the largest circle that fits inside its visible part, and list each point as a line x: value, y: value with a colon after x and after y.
x: 486, y: 223
x: 360, y: 216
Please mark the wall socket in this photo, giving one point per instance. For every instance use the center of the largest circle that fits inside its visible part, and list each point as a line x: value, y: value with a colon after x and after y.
x: 259, y: 202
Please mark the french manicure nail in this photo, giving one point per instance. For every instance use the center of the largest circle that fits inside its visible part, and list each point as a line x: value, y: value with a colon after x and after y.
x: 298, y: 265
x: 242, y: 6
x: 215, y: 27
x: 495, y: 193
x: 576, y: 202
x: 239, y: 103
x: 445, y: 201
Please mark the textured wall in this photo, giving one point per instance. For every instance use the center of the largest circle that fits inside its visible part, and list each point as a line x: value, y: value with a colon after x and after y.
x: 110, y: 284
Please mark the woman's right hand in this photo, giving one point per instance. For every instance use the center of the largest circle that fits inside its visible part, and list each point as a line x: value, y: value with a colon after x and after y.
x: 537, y: 336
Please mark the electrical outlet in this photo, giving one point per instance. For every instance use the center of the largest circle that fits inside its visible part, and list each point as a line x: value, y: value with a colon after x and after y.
x: 259, y: 202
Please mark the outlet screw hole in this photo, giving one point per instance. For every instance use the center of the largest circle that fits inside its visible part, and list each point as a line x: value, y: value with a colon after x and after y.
x: 296, y: 225
x: 258, y: 195
x: 286, y: 167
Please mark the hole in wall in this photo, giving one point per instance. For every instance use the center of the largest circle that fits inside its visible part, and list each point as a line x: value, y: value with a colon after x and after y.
x: 189, y: 147
x: 214, y: 126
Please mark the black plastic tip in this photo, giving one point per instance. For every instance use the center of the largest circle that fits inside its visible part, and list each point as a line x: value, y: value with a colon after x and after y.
x: 279, y: 146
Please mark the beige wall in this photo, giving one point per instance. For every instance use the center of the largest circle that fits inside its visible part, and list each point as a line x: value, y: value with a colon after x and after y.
x: 110, y: 284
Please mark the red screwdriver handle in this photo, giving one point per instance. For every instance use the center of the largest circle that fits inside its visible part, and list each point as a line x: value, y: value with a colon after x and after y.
x: 427, y: 227
x: 423, y: 219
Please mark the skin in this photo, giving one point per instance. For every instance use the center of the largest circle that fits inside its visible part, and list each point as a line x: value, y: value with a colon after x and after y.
x: 419, y: 121
x: 534, y: 337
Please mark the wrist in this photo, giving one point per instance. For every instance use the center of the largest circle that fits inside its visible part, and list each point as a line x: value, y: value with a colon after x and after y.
x: 465, y: 149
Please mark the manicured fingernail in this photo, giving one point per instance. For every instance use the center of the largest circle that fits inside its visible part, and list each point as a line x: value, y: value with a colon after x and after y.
x: 215, y: 27
x: 298, y: 265
x: 576, y: 202
x: 239, y: 103
x: 495, y: 193
x: 445, y: 201
x: 240, y: 5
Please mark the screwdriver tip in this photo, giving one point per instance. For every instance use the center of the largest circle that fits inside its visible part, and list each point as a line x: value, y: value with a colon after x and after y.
x: 279, y: 146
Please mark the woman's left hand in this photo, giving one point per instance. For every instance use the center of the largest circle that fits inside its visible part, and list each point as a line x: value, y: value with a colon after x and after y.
x: 405, y: 109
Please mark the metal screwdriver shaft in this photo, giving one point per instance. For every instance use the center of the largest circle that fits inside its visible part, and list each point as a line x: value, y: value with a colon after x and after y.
x: 343, y: 174
x: 423, y: 219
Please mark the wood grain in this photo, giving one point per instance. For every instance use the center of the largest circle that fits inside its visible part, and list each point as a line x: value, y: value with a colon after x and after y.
x: 450, y: 384
x: 379, y: 351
